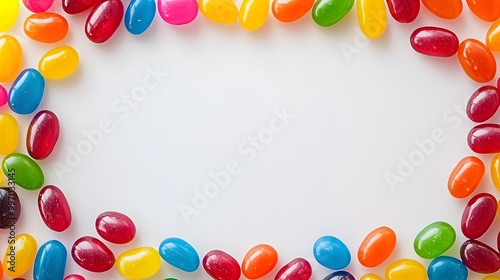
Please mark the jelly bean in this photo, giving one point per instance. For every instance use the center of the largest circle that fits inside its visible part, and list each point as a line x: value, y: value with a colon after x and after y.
x: 139, y: 15
x: 493, y: 36
x: 77, y: 6
x: 19, y: 255
x: 434, y: 240
x: 483, y: 104
x: 221, y: 266
x: 447, y: 9
x: 328, y: 12
x: 484, y: 139
x: 259, y: 261
x: 93, y: 255
x: 50, y: 261
x: 139, y: 263
x: 221, y: 11
x: 74, y: 277
x: 477, y: 60
x: 179, y: 254
x: 331, y: 253
x: 10, y: 207
x: 27, y: 173
x: 372, y: 17
x: 43, y: 132
x: 339, y: 275
x: 434, y: 41
x: 46, y: 27
x: 479, y: 257
x: 290, y: 10
x: 3, y: 96
x: 104, y: 20
x: 9, y: 131
x: 444, y: 268
x: 178, y: 12
x: 26, y: 92
x: 38, y: 6
x: 478, y: 215
x: 10, y: 58
x: 377, y: 246
x: 297, y: 269
x: 54, y: 208
x: 487, y: 10
x: 253, y: 13
x: 465, y: 177
x: 404, y: 11
x: 405, y: 269
x: 59, y: 63
x: 115, y: 227
x: 370, y: 276
x: 491, y: 277
x: 9, y: 9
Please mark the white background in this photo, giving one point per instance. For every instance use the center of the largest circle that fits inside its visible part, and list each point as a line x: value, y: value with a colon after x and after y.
x: 355, y: 116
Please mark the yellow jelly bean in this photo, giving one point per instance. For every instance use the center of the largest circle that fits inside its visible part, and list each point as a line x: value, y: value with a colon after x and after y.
x: 9, y: 132
x: 405, y: 269
x: 370, y: 276
x: 10, y: 57
x: 253, y: 13
x: 221, y: 11
x: 491, y: 277
x: 58, y: 63
x: 9, y: 9
x: 493, y: 36
x: 20, y: 254
x: 372, y: 17
x: 495, y: 171
x: 139, y: 263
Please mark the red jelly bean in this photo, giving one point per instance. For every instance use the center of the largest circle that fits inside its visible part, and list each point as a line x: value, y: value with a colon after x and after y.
x: 221, y: 266
x: 483, y: 104
x: 484, y: 139
x: 434, y: 41
x: 115, y: 227
x: 10, y: 207
x: 77, y: 6
x: 297, y: 269
x: 259, y: 261
x: 404, y: 11
x: 477, y: 60
x: 42, y: 135
x: 54, y: 208
x: 465, y: 177
x: 104, y: 20
x: 478, y: 215
x: 93, y: 255
x: 46, y: 27
x: 480, y: 257
x: 74, y: 277
x: 498, y: 241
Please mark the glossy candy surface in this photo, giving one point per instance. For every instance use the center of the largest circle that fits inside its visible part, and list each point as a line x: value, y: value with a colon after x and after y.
x: 447, y: 268
x: 74, y: 277
x: 10, y: 58
x: 372, y: 17
x: 50, y: 261
x: 405, y: 269
x: 465, y: 177
x: 477, y: 60
x: 46, y: 27
x: 28, y: 173
x: 339, y: 275
x: 115, y: 227
x: 3, y: 96
x: 9, y: 133
x: 478, y: 215
x: 487, y: 10
x: 38, y: 6
x: 434, y: 240
x: 9, y: 9
x: 493, y: 36
x: 495, y: 171
x: 296, y: 269
x: 479, y: 257
x: 331, y: 253
x: 434, y: 41
x: 59, y: 63
x: 77, y: 6
x: 26, y: 92
x: 178, y: 12
x: 104, y: 20
x: 259, y: 261
x: 54, y: 208
x: 447, y: 9
x: 140, y: 15
x: 19, y: 255
x: 253, y: 14
x: 483, y: 104
x: 93, y: 255
x: 484, y: 139
x: 290, y: 10
x: 42, y: 135
x: 377, y: 246
x: 404, y: 11
x: 328, y: 12
x: 221, y: 266
x: 180, y: 254
x: 139, y: 263
x: 10, y: 207
x: 370, y: 276
x: 220, y: 11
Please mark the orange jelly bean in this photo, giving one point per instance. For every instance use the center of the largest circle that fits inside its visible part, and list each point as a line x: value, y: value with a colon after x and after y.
x: 46, y: 27
x: 259, y: 261
x: 493, y: 36
x: 447, y: 9
x: 290, y: 10
x: 487, y: 10
x: 377, y: 247
x: 465, y: 177
x: 477, y: 60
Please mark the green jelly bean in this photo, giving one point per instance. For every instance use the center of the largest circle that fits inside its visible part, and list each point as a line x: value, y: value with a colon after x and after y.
x: 328, y: 12
x: 22, y: 170
x: 434, y: 240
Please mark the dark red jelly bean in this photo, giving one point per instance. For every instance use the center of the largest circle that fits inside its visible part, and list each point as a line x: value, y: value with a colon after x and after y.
x: 340, y: 275
x: 404, y: 11
x: 498, y: 241
x: 54, y: 208
x: 484, y: 139
x: 297, y: 269
x: 478, y: 215
x: 115, y: 227
x: 10, y: 207
x: 483, y: 104
x: 104, y: 20
x: 434, y: 41
x: 77, y: 6
x: 221, y: 266
x: 42, y: 135
x: 479, y: 257
x: 93, y: 255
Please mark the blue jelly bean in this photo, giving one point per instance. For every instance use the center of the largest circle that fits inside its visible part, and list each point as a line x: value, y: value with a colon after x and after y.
x: 139, y: 15
x: 26, y: 92
x: 331, y: 253
x: 180, y: 254
x: 50, y: 261
x: 339, y: 275
x: 447, y: 268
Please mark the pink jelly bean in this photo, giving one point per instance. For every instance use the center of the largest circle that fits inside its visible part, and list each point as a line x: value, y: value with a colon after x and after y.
x: 178, y: 12
x: 38, y: 6
x: 3, y: 96
x: 74, y: 277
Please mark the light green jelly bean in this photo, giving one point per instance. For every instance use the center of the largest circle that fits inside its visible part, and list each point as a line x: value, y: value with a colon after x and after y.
x: 434, y: 240
x: 22, y: 170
